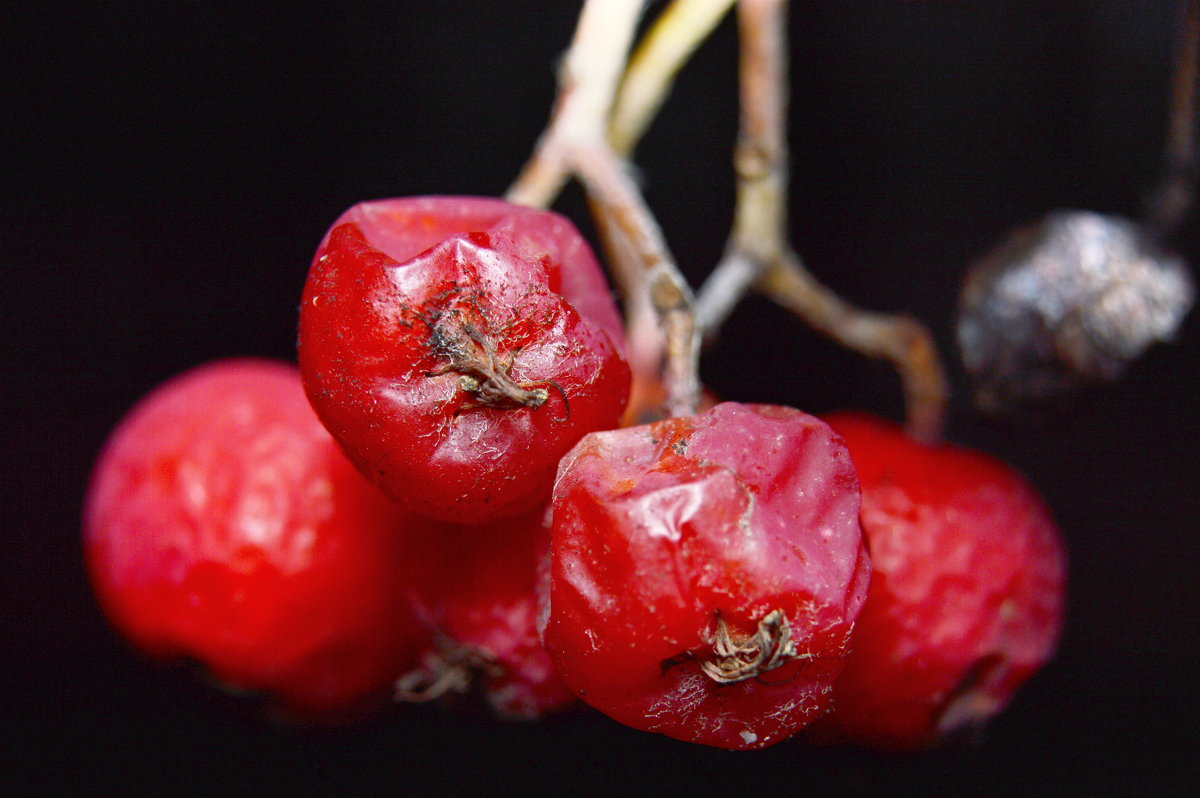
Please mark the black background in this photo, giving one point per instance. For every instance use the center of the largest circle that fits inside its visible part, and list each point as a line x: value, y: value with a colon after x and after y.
x: 168, y: 168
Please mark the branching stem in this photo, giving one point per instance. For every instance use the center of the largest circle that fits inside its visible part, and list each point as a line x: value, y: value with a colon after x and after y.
x: 616, y: 200
x: 1175, y: 194
x: 900, y: 339
x: 760, y: 162
x: 662, y: 52
x: 759, y: 253
x: 587, y: 82
x: 648, y: 78
x: 590, y: 132
x: 576, y: 142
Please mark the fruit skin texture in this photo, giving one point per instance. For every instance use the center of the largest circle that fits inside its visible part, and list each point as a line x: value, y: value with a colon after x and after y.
x: 659, y: 531
x: 223, y: 525
x: 966, y: 598
x: 482, y: 599
x: 457, y: 347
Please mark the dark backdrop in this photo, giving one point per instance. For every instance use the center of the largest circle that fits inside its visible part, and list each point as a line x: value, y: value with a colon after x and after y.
x: 168, y: 168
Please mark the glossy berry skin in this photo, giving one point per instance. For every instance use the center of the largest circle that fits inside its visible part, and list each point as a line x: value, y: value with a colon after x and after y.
x: 966, y: 598
x: 675, y: 544
x: 223, y: 525
x: 482, y: 599
x: 457, y: 347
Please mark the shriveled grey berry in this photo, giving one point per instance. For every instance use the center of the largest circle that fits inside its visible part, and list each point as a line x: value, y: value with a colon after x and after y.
x: 1068, y: 302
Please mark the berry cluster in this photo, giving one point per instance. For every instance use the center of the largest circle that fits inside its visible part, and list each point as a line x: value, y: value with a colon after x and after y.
x: 442, y: 499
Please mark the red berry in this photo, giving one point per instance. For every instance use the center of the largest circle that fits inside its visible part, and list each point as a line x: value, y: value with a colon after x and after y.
x: 457, y: 348
x: 706, y: 572
x: 481, y: 592
x: 966, y: 597
x: 224, y: 525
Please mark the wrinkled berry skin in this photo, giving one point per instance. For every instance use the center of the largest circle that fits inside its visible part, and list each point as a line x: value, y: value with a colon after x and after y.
x: 966, y: 598
x: 457, y: 347
x: 482, y: 599
x: 662, y: 532
x: 223, y: 525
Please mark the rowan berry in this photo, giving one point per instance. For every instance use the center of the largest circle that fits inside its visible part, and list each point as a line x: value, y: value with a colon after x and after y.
x: 480, y: 595
x: 223, y: 525
x: 705, y: 573
x: 457, y: 347
x: 967, y: 594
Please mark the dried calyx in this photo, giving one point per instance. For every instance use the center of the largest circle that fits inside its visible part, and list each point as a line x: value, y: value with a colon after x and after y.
x: 451, y: 670
x: 483, y: 373
x: 737, y: 660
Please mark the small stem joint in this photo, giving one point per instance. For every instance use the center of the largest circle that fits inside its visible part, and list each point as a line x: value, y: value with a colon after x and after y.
x: 751, y: 161
x: 667, y: 295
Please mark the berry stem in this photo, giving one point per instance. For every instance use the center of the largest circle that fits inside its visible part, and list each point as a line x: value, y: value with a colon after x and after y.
x: 587, y: 82
x: 898, y: 338
x: 648, y: 77
x: 760, y: 161
x: 759, y: 254
x: 662, y: 52
x: 575, y: 143
x: 618, y: 203
x: 1174, y: 195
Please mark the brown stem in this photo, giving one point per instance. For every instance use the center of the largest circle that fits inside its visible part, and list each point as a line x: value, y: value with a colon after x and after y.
x: 644, y: 339
x: 650, y: 72
x: 662, y: 52
x: 575, y: 142
x: 587, y: 83
x: 1175, y: 193
x: 760, y: 162
x: 646, y: 269
x: 759, y: 253
x: 761, y: 157
x: 900, y: 339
